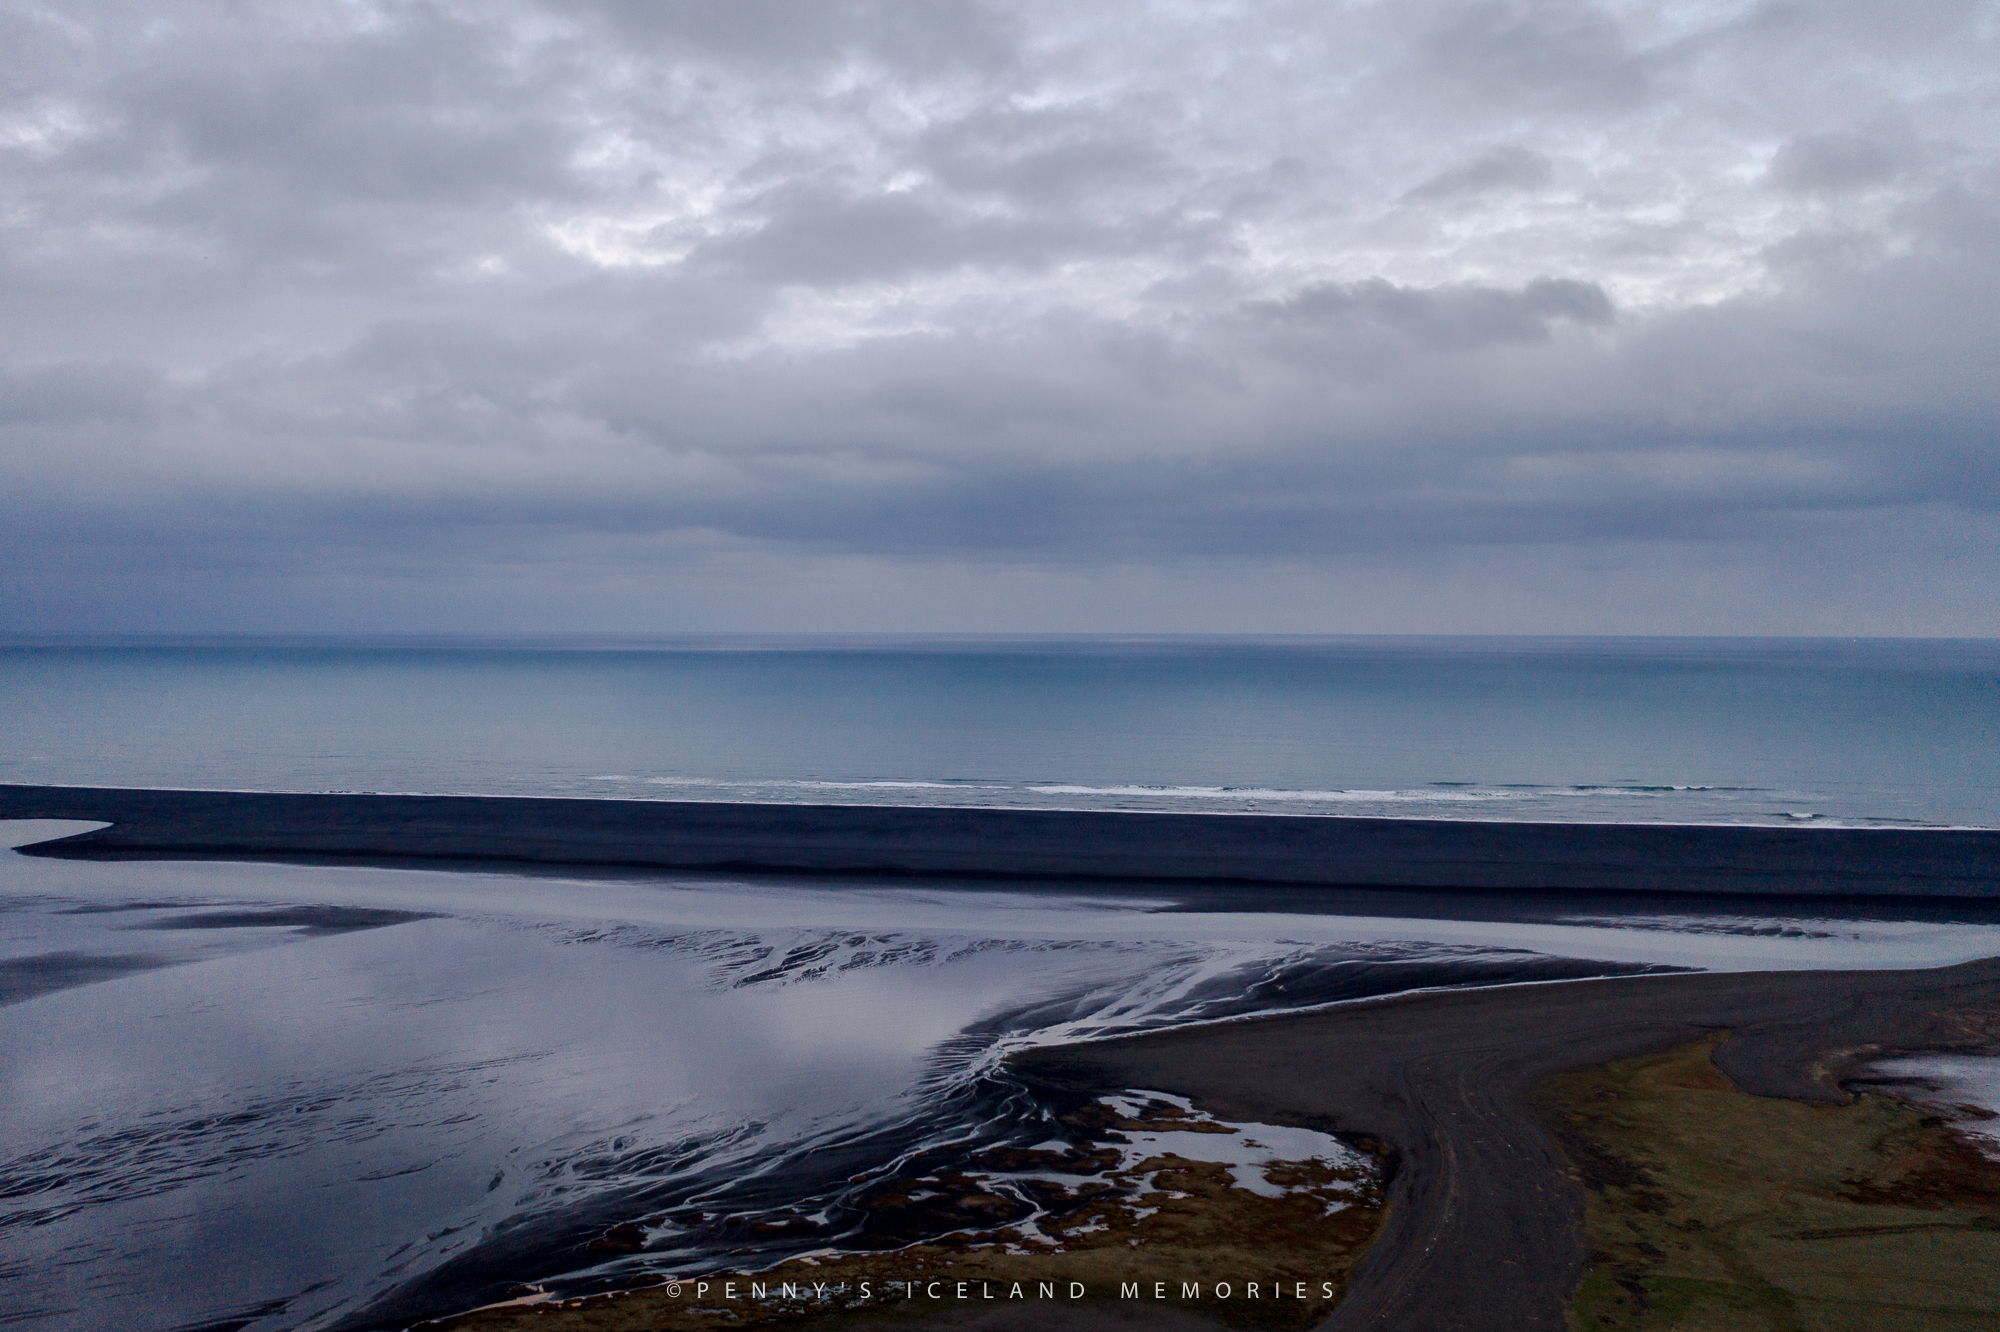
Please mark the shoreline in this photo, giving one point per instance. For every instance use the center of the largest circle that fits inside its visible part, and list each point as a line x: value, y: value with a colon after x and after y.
x: 1485, y: 1222
x: 1483, y: 1219
x: 986, y: 843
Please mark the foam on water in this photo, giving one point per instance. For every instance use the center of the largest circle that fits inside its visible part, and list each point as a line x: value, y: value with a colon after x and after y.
x: 1608, y: 803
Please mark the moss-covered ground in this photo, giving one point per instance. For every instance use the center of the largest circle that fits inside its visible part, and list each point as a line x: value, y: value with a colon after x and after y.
x: 1709, y: 1208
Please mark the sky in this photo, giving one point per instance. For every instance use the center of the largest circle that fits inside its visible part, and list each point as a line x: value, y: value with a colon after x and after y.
x: 824, y: 315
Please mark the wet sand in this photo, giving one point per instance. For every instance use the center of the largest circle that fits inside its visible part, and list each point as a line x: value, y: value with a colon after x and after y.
x: 1017, y: 843
x: 1485, y: 1224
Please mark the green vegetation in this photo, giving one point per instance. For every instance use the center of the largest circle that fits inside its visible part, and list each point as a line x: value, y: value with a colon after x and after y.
x: 1713, y: 1209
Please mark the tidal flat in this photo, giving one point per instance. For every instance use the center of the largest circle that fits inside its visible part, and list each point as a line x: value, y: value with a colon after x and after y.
x: 345, y: 1097
x: 1754, y: 1177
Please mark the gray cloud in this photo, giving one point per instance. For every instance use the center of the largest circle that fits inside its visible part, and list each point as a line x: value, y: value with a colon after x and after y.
x: 1561, y: 54
x: 827, y: 238
x: 1503, y: 169
x: 903, y: 34
x: 1445, y: 318
x: 947, y: 316
x: 1837, y: 163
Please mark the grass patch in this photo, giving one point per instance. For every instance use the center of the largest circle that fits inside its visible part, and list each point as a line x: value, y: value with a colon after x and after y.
x: 1709, y: 1208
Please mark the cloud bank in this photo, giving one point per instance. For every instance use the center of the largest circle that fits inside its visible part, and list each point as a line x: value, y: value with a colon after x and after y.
x: 828, y: 314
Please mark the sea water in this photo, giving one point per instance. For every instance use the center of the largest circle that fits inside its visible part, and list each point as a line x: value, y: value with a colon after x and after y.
x: 1868, y: 732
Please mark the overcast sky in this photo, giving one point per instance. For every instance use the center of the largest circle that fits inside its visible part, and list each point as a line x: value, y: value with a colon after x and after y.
x: 831, y: 314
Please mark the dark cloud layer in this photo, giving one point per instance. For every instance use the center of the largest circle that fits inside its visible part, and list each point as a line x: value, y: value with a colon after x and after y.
x: 853, y: 315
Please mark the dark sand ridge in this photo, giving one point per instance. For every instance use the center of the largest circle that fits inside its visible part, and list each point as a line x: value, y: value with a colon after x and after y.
x: 1014, y: 843
x: 1485, y: 1228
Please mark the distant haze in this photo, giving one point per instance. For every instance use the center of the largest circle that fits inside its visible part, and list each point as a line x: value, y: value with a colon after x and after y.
x: 835, y: 314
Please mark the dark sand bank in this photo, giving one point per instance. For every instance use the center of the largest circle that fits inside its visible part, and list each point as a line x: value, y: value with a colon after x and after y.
x: 1485, y: 1227
x: 990, y: 843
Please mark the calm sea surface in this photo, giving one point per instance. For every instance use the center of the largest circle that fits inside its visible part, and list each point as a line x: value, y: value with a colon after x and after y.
x: 1619, y: 730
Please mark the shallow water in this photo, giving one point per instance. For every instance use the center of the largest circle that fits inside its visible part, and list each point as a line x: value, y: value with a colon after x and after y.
x: 234, y: 1088
x: 1965, y: 1087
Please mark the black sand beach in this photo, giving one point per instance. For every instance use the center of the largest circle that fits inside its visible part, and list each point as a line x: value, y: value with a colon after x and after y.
x: 1002, y: 843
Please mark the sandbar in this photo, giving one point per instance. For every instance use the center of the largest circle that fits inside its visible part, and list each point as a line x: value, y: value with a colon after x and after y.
x: 1015, y: 843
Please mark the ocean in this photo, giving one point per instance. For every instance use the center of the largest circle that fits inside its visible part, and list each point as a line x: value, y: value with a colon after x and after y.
x: 1868, y: 732
x: 270, y: 1097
